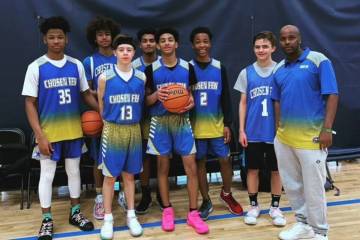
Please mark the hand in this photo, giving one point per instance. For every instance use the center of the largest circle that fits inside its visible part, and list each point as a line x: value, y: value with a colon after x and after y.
x: 162, y: 94
x: 227, y: 135
x: 190, y: 104
x: 243, y: 139
x: 325, y: 140
x: 45, y: 146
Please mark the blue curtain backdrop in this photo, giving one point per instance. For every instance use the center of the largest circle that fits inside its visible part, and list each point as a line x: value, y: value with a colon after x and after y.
x: 328, y: 26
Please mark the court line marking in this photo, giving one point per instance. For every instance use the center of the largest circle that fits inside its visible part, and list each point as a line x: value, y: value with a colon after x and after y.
x: 181, y: 221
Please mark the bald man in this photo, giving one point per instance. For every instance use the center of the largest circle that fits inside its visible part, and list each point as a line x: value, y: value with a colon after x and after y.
x: 305, y: 98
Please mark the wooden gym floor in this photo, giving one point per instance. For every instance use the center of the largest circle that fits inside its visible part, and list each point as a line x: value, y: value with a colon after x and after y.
x: 343, y: 214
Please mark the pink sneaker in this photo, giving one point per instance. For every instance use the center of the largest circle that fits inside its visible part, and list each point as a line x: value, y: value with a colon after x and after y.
x: 167, y: 221
x: 99, y: 211
x: 194, y: 220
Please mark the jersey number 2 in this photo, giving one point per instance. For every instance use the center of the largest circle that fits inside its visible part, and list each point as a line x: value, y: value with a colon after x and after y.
x: 203, y: 99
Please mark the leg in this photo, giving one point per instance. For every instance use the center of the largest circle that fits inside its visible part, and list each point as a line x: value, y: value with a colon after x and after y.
x: 163, y: 173
x: 108, y: 193
x: 74, y: 181
x: 129, y: 185
x: 202, y: 178
x: 192, y: 184
x: 226, y: 173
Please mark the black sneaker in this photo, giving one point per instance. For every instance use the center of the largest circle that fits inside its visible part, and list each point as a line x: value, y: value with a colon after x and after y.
x: 159, y: 201
x: 46, y: 229
x: 205, y: 209
x: 78, y: 220
x: 145, y: 201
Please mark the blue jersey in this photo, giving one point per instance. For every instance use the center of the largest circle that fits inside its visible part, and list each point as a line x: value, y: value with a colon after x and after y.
x: 59, y: 100
x: 139, y: 63
x: 163, y: 76
x: 260, y: 119
x: 95, y: 65
x: 208, y: 114
x: 123, y: 100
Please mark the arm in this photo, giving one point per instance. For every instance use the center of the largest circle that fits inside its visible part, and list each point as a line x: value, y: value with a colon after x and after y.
x: 100, y: 93
x: 277, y: 113
x: 33, y: 118
x: 90, y: 100
x: 242, y: 116
x: 325, y: 137
x: 192, y: 81
x: 226, y: 105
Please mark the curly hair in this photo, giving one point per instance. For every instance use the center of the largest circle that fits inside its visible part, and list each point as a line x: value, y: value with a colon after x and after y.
x: 101, y: 23
x: 57, y: 22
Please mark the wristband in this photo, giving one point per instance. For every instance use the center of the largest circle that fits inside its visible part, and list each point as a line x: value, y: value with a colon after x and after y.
x: 328, y: 130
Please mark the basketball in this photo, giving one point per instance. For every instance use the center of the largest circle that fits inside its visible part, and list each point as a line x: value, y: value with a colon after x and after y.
x: 177, y: 99
x: 91, y: 123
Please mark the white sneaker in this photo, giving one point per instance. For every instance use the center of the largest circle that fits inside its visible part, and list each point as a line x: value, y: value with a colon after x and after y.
x: 252, y: 215
x: 134, y: 226
x: 298, y: 231
x: 320, y: 237
x: 278, y: 218
x: 122, y: 200
x: 107, y: 230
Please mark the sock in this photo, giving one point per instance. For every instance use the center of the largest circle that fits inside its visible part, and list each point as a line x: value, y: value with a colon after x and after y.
x: 275, y: 200
x: 167, y: 206
x: 192, y: 209
x: 75, y: 208
x: 253, y: 199
x: 108, y: 217
x: 98, y: 190
x: 225, y: 193
x: 47, y: 215
x: 131, y: 213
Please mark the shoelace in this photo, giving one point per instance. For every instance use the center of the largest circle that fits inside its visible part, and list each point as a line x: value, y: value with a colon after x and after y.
x: 79, y: 218
x: 277, y: 213
x: 196, y: 218
x: 46, y: 229
x: 231, y: 199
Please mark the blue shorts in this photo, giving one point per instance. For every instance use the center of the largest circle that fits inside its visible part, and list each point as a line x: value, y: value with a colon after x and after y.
x: 213, y: 146
x: 171, y: 132
x: 62, y: 149
x: 94, y: 148
x: 121, y: 149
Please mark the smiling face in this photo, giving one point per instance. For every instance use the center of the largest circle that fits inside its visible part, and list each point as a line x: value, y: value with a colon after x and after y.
x: 202, y: 45
x: 263, y: 49
x: 56, y: 40
x: 167, y: 44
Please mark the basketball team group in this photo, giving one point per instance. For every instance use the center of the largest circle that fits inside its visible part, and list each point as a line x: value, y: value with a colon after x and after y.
x: 286, y: 114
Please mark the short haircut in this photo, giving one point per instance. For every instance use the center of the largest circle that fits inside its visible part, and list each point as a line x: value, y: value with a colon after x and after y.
x: 57, y: 22
x: 144, y: 31
x: 123, y: 39
x: 197, y: 30
x: 265, y: 35
x: 169, y: 30
x: 100, y: 23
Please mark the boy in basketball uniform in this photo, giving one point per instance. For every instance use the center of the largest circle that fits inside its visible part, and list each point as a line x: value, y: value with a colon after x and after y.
x: 53, y: 86
x: 211, y: 119
x: 169, y: 131
x: 99, y: 33
x: 121, y: 93
x: 146, y: 38
x: 257, y: 126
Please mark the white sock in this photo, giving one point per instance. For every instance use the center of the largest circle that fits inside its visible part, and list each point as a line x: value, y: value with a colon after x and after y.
x: 131, y: 213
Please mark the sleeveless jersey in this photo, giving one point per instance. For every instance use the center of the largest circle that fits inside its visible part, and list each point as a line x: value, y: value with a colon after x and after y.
x: 208, y: 114
x: 260, y: 120
x: 59, y: 100
x: 123, y: 100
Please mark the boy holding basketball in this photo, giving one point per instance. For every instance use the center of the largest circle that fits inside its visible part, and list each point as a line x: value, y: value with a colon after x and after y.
x: 169, y: 131
x: 99, y: 33
x: 212, y: 119
x: 53, y: 86
x: 121, y: 93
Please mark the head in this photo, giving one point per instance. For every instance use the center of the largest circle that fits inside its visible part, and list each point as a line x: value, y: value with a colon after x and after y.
x: 54, y: 30
x: 264, y: 45
x: 200, y: 38
x: 167, y: 40
x: 290, y: 40
x: 146, y: 38
x: 124, y: 48
x: 101, y: 31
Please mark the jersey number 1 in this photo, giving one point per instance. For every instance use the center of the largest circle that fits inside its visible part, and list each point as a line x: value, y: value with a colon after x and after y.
x: 264, y: 108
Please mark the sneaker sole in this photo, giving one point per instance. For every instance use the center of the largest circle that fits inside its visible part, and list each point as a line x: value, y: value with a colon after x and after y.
x: 210, y: 211
x: 145, y: 211
x: 227, y: 206
x: 136, y: 235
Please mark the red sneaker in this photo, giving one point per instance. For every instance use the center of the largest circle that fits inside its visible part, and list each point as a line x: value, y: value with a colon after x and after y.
x: 233, y: 206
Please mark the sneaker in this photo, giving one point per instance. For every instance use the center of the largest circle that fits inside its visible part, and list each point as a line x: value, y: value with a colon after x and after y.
x: 159, y: 201
x: 107, y: 229
x: 194, y: 220
x: 144, y: 204
x: 278, y: 218
x: 233, y: 206
x: 99, y: 210
x: 320, y: 237
x: 168, y: 219
x: 298, y: 231
x: 205, y: 209
x: 122, y: 200
x: 252, y: 215
x: 134, y: 226
x: 46, y: 229
x: 80, y: 221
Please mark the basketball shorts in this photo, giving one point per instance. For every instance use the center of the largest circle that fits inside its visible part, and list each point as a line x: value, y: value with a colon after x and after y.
x: 259, y: 155
x: 145, y: 127
x: 211, y: 146
x: 121, y: 149
x: 63, y: 149
x: 171, y: 132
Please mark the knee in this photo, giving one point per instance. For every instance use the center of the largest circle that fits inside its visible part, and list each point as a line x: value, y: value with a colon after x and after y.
x: 109, y: 181
x: 127, y: 177
x: 225, y: 162
x: 253, y: 172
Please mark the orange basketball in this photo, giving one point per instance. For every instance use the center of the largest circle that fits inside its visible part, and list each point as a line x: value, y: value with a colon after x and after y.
x: 91, y: 123
x: 177, y: 99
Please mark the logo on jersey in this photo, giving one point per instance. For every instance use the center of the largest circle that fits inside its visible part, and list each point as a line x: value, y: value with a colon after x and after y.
x: 260, y: 91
